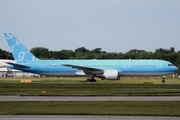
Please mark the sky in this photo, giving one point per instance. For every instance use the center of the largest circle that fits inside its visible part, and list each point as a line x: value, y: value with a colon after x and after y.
x: 113, y: 25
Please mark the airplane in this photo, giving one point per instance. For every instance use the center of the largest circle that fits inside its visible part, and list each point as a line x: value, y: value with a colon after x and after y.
x: 4, y: 70
x: 7, y: 72
x: 106, y: 69
x: 3, y: 63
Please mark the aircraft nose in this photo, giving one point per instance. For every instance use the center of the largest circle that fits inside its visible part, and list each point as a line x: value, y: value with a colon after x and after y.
x: 175, y: 69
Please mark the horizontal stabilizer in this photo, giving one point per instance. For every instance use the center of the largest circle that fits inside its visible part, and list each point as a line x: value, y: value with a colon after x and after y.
x: 18, y: 65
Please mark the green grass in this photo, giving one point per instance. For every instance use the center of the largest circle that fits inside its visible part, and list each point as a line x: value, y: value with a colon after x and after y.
x: 78, y: 87
x: 156, y: 80
x: 149, y: 108
x: 89, y: 89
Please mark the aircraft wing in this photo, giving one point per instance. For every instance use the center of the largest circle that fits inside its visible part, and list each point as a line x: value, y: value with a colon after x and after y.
x: 18, y: 65
x: 86, y: 70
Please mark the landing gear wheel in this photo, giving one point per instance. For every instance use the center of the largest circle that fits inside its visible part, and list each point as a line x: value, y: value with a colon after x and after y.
x: 89, y: 80
x: 102, y: 78
x: 93, y: 80
x: 163, y: 80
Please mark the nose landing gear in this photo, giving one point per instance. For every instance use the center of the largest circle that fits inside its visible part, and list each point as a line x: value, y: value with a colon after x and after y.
x: 163, y: 79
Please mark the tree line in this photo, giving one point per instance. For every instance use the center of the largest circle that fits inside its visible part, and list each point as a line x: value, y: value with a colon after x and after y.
x: 82, y: 53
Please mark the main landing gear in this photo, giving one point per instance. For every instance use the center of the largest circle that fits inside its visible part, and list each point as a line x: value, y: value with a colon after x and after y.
x: 91, y: 78
x: 163, y: 79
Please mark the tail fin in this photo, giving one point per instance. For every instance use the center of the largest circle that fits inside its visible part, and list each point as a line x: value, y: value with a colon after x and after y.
x: 20, y: 53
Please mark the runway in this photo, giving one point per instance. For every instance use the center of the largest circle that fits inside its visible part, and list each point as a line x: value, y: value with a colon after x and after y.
x: 82, y: 117
x: 89, y: 98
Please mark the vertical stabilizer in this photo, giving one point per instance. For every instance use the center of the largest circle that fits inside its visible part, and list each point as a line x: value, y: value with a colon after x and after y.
x: 20, y: 53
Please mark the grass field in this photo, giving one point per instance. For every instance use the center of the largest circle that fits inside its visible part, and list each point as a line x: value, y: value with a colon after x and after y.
x: 155, y: 80
x: 113, y: 88
x: 78, y: 87
x: 147, y: 108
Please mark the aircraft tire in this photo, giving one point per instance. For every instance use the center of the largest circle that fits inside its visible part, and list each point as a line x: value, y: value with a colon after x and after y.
x: 102, y: 78
x: 93, y: 80
x: 163, y: 81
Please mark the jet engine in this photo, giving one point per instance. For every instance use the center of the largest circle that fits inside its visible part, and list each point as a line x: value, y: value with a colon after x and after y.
x: 111, y: 75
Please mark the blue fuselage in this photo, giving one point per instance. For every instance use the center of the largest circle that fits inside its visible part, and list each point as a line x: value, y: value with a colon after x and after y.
x: 124, y: 67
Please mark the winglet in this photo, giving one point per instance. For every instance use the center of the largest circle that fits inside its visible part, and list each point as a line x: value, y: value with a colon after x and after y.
x: 20, y: 53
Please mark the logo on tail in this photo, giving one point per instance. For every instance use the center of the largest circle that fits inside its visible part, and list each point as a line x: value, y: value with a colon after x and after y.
x: 20, y: 53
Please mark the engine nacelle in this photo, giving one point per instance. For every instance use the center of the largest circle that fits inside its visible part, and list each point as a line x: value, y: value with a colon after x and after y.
x: 111, y: 75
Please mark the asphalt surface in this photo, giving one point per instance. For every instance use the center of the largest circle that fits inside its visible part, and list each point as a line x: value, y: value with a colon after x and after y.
x: 82, y: 117
x: 95, y: 98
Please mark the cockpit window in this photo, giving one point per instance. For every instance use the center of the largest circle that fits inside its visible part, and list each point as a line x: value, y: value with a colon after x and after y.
x: 170, y: 65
